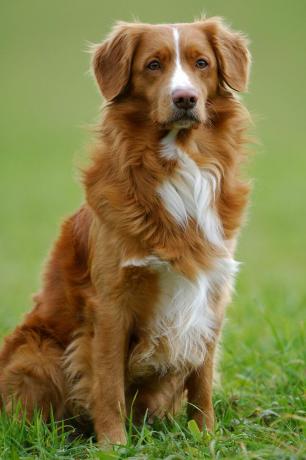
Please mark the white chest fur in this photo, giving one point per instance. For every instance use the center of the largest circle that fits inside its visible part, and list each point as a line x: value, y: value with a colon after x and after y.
x: 190, y: 192
x: 184, y: 320
x: 184, y: 317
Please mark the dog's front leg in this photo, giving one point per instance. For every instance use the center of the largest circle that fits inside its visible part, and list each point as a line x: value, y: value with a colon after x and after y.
x: 199, y: 385
x: 108, y: 397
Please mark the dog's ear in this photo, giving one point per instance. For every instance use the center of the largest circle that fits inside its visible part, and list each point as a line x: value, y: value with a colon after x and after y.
x: 233, y: 56
x: 113, y: 58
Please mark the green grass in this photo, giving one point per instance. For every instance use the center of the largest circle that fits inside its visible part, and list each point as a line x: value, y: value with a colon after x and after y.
x: 47, y: 98
x: 260, y: 415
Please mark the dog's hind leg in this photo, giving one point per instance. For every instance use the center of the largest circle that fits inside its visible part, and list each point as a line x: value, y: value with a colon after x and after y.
x: 31, y: 373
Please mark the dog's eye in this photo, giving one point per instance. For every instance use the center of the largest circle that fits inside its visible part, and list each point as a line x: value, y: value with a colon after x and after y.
x: 201, y: 63
x: 154, y: 65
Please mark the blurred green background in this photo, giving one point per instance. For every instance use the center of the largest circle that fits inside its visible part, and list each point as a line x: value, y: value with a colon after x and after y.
x: 48, y: 100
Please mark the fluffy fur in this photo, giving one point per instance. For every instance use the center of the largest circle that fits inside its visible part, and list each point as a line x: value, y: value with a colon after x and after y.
x: 134, y: 292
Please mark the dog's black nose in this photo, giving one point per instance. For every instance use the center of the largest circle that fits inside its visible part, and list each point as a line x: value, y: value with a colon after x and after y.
x: 184, y: 98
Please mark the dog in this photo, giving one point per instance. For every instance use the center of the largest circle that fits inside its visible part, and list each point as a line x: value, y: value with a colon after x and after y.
x: 135, y: 289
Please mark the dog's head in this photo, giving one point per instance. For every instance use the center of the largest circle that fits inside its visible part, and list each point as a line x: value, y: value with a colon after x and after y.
x: 173, y: 69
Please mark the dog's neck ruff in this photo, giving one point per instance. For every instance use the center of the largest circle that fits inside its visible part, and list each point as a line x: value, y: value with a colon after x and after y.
x: 190, y: 192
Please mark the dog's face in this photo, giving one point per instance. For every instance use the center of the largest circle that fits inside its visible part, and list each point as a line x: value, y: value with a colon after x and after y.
x: 173, y: 69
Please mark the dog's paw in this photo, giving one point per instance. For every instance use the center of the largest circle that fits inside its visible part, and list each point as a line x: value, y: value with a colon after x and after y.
x: 107, y: 439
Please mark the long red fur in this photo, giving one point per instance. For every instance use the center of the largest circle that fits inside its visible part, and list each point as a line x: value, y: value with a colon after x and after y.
x: 72, y: 350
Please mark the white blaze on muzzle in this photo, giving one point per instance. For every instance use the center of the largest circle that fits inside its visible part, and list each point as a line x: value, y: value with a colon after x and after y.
x: 179, y: 79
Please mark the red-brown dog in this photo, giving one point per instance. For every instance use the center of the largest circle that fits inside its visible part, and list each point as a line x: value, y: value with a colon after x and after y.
x: 134, y: 293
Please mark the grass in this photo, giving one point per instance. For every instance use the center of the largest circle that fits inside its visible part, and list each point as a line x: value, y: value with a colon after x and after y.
x: 260, y: 414
x: 259, y: 407
x: 46, y: 98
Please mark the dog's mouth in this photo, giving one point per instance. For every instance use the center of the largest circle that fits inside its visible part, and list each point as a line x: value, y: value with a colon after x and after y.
x: 184, y: 118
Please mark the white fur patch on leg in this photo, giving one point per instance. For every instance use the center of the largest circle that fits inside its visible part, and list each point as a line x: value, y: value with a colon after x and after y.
x: 144, y: 262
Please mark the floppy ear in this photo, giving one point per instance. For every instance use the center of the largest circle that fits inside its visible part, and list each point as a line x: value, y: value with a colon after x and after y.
x: 231, y: 49
x: 113, y: 58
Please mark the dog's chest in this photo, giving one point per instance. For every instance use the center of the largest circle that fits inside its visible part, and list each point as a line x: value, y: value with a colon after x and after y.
x: 183, y: 321
x: 190, y: 194
x: 177, y: 334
